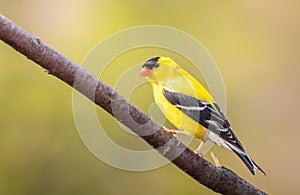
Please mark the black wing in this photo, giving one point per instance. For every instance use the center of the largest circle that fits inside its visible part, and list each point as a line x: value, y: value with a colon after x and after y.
x: 204, y: 113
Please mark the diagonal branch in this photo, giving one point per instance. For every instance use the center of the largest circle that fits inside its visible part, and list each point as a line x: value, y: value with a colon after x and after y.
x: 219, y: 180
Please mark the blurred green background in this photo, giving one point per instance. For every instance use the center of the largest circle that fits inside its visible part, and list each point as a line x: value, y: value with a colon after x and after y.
x: 255, y: 44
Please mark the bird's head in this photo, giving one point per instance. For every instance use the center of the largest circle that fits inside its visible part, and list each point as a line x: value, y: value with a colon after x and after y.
x: 159, y: 68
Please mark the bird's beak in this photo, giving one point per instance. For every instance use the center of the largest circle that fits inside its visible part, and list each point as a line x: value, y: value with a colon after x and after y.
x: 145, y: 72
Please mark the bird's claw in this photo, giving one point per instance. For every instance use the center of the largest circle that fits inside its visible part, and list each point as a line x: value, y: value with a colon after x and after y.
x: 177, y: 138
x: 216, y: 160
x: 197, y: 151
x: 174, y: 133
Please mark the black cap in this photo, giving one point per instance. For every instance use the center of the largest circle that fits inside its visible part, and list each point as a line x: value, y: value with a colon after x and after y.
x: 152, y: 63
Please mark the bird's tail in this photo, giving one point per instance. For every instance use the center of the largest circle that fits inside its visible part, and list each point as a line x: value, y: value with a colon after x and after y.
x: 252, y: 166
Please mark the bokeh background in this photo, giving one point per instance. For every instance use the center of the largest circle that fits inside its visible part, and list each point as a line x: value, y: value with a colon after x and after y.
x: 255, y: 44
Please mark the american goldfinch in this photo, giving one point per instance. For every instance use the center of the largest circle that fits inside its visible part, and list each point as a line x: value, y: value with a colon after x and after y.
x: 190, y: 107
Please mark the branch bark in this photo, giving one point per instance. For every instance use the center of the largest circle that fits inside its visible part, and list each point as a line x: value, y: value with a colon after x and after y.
x: 219, y: 180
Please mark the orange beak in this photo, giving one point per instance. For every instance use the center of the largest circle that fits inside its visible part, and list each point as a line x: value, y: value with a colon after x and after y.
x: 145, y: 72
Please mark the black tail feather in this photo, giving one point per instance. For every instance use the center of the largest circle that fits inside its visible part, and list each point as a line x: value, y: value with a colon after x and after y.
x: 248, y: 161
x: 260, y: 169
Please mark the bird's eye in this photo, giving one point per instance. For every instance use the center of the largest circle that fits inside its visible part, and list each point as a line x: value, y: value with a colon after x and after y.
x: 156, y: 65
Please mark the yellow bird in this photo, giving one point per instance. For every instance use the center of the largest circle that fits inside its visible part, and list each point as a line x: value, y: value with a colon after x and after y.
x: 190, y: 107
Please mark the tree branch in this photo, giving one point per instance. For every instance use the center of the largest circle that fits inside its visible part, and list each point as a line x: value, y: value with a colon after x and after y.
x: 219, y: 180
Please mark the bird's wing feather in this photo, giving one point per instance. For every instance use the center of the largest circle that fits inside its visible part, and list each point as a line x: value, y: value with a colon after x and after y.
x: 205, y: 114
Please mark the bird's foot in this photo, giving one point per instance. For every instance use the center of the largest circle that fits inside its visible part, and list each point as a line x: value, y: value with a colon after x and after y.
x: 198, y: 150
x: 174, y: 133
x: 215, y: 159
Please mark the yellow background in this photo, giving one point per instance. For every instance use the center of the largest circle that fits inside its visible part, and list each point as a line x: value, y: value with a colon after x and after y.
x: 255, y: 44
